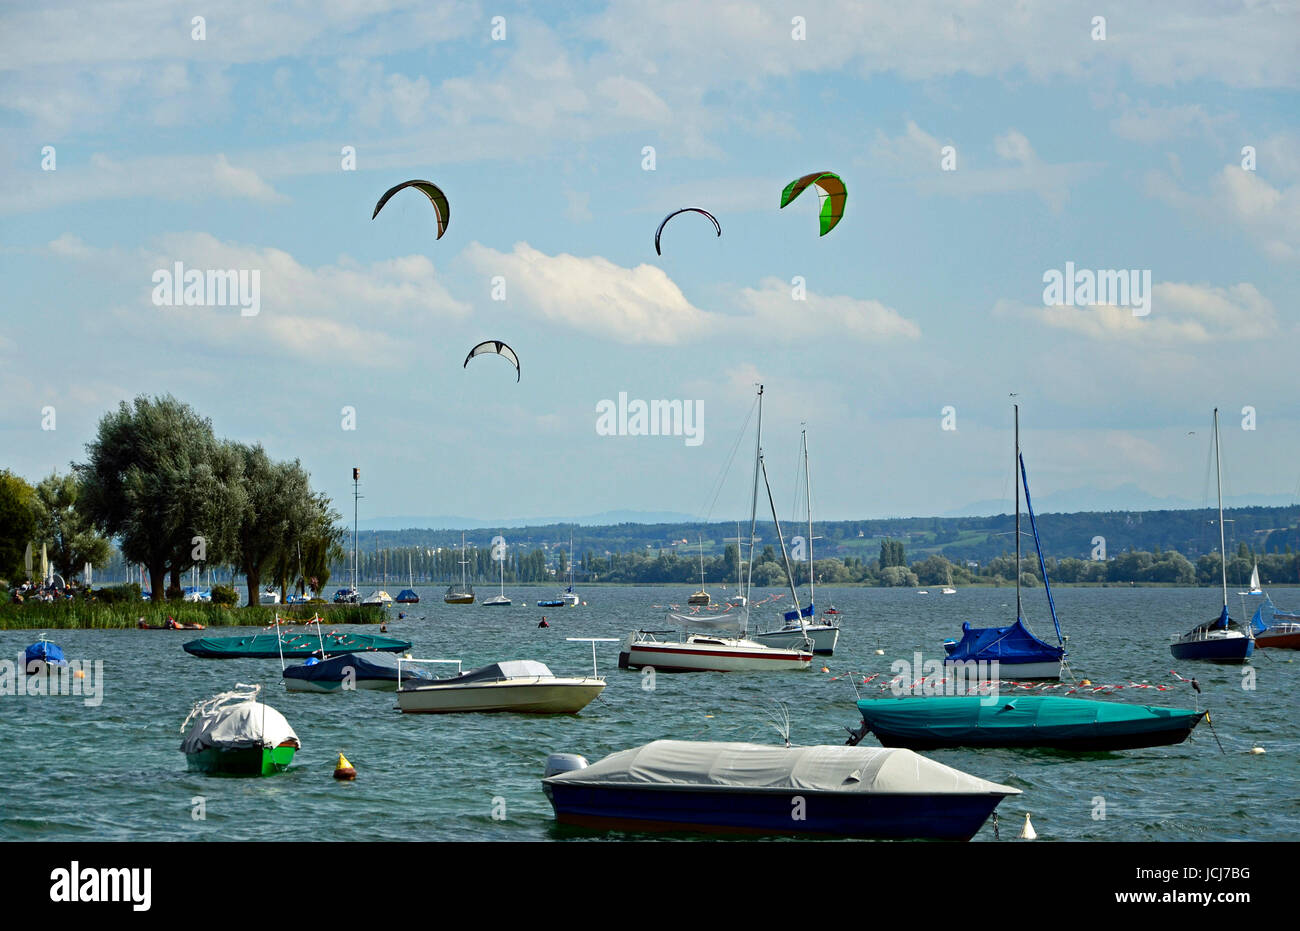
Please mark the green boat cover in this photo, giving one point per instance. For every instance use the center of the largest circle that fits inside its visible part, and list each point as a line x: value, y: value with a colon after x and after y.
x: 295, y: 645
x: 1024, y: 720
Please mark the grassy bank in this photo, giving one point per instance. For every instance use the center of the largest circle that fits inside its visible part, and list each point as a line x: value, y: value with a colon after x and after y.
x: 74, y: 615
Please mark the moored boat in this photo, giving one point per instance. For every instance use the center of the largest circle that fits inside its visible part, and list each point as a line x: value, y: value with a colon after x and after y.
x: 292, y: 645
x: 1048, y: 721
x: 372, y: 671
x: 41, y: 655
x: 233, y: 734
x: 521, y: 686
x: 694, y: 651
x: 1274, y: 628
x: 738, y: 788
x: 1221, y: 640
x: 462, y: 594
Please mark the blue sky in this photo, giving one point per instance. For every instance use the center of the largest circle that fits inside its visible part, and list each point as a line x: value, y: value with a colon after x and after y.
x: 1124, y: 153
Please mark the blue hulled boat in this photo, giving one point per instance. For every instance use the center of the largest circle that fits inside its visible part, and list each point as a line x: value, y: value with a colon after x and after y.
x: 736, y: 788
x: 1019, y: 654
x: 1221, y: 640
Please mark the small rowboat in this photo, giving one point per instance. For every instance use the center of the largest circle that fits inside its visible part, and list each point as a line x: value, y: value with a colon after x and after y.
x: 233, y: 734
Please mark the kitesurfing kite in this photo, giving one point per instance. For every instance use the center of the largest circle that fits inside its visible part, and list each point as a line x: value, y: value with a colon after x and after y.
x: 494, y: 345
x: 716, y: 225
x: 429, y: 190
x: 831, y: 190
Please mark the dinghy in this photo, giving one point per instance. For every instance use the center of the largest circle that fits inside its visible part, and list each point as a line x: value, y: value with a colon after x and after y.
x: 233, y: 734
x: 739, y: 788
x: 42, y: 655
x: 1050, y: 721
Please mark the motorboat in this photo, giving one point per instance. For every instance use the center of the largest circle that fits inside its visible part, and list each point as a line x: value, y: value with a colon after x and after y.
x: 378, y: 598
x: 739, y: 788
x: 269, y: 596
x: 522, y: 686
x: 351, y: 671
x: 715, y: 645
x: 347, y: 596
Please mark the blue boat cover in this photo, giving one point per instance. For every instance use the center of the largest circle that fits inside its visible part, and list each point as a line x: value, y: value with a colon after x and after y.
x: 406, y: 593
x: 45, y: 652
x: 1007, y: 645
x: 364, y: 666
x: 1263, y: 614
x: 802, y: 612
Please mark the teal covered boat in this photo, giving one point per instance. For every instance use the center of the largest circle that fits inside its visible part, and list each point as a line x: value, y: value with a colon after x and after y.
x: 293, y: 645
x: 1049, y: 721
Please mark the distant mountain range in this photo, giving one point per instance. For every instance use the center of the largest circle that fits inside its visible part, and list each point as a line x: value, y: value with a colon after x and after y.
x: 605, y: 518
x: 1127, y: 497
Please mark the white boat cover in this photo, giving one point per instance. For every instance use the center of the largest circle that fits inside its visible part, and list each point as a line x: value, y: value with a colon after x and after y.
x: 697, y: 764
x: 723, y: 623
x: 510, y: 669
x: 239, y: 725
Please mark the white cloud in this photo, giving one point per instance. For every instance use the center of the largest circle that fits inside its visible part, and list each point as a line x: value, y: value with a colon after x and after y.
x: 1180, y: 314
x: 777, y: 314
x: 1152, y: 124
x: 1270, y: 215
x: 593, y: 295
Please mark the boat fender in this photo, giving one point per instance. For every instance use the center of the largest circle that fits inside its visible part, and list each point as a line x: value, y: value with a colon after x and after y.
x: 343, y: 770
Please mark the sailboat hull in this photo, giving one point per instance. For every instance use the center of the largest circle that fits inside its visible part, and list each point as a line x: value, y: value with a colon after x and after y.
x: 708, y: 654
x: 823, y: 638
x: 1225, y: 650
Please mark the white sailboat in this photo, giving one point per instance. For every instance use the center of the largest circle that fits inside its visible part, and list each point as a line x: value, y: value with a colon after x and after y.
x: 701, y: 597
x: 718, y: 643
x: 500, y: 600
x: 1255, y: 588
x: 796, y: 630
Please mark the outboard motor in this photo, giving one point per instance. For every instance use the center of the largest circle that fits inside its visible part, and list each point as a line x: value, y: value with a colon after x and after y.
x: 558, y: 763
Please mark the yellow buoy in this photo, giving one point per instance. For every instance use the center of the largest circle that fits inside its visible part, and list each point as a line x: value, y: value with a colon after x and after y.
x: 1086, y: 682
x: 343, y: 769
x: 824, y: 669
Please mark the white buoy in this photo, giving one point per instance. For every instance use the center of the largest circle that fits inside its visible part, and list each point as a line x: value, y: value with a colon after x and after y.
x: 1257, y: 750
x: 880, y: 652
x: 1028, y: 832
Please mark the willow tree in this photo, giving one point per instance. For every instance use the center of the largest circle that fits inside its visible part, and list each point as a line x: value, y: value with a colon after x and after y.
x: 137, y: 480
x: 17, y: 524
x: 278, y: 506
x: 67, y: 532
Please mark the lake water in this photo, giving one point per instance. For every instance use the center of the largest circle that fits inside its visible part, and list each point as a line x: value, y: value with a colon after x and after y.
x: 114, y: 772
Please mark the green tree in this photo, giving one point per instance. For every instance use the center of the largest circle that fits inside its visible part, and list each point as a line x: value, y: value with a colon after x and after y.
x: 69, y: 537
x: 17, y: 524
x: 134, y: 482
x: 277, y: 503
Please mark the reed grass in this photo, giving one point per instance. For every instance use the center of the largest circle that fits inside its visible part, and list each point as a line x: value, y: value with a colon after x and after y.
x: 81, y: 615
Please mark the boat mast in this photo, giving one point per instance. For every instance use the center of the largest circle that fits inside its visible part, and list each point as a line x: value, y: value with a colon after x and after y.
x: 701, y: 562
x: 1015, y: 474
x: 753, y: 506
x: 789, y: 575
x: 807, y: 481
x: 1223, y: 547
x: 356, y: 497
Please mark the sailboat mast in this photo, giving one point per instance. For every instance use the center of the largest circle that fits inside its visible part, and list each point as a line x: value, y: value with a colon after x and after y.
x: 789, y: 575
x: 1015, y: 474
x: 1223, y: 547
x: 753, y: 505
x: 356, y: 497
x: 807, y: 481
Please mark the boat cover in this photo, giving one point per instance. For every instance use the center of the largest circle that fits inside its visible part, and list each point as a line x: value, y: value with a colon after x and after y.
x: 966, y: 715
x: 697, y: 764
x: 364, y: 666
x: 1013, y: 644
x: 236, y: 726
x: 294, y: 645
x: 510, y: 669
x: 1222, y: 622
x: 43, y: 651
x: 1263, y: 616
x: 726, y: 623
x: 407, y: 593
x: 802, y: 612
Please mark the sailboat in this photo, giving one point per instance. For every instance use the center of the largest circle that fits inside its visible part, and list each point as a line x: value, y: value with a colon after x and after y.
x: 407, y: 596
x: 947, y: 588
x: 701, y: 597
x: 462, y: 594
x: 1274, y: 628
x: 719, y: 644
x: 796, y: 629
x: 379, y: 596
x: 566, y: 598
x: 1221, y: 640
x: 738, y: 600
x: 1019, y: 654
x: 350, y: 595
x: 1254, y: 583
x: 499, y: 600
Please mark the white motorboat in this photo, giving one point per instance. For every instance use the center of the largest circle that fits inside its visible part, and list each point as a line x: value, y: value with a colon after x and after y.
x: 378, y: 597
x: 523, y: 686
x: 270, y: 596
x: 696, y: 652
